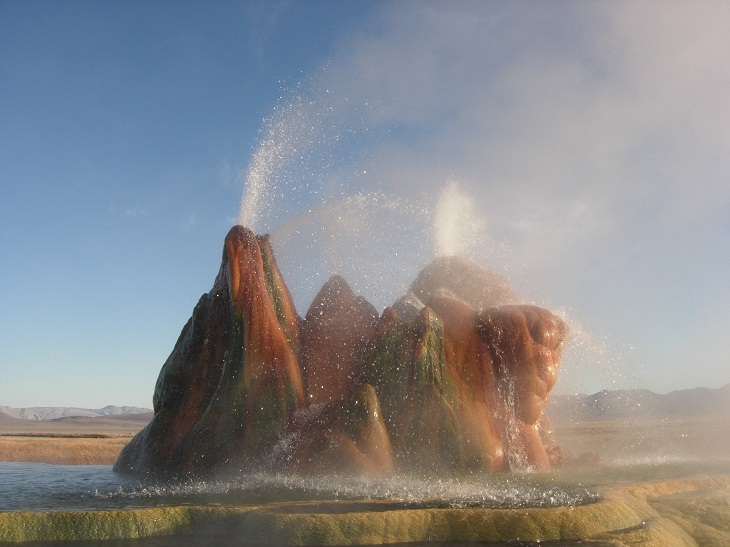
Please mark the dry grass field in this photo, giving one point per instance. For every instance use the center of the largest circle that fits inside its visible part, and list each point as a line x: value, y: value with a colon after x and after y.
x: 612, y: 440
x: 61, y: 450
x: 73, y: 441
x: 86, y: 441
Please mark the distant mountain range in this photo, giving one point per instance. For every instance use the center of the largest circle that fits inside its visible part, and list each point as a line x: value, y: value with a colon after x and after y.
x: 641, y: 403
x: 55, y: 412
x: 604, y: 405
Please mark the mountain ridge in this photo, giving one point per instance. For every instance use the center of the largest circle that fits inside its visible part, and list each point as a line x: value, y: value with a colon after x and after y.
x: 640, y: 403
x: 605, y: 404
x: 37, y: 413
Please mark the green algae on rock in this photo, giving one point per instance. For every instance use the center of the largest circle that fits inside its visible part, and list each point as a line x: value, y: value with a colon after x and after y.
x: 426, y: 385
x: 668, y: 513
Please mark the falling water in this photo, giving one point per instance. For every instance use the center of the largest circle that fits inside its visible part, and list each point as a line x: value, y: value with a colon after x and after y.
x: 376, y: 241
x: 516, y: 453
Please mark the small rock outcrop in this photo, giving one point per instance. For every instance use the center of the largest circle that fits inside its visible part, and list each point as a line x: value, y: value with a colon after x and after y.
x: 335, y: 337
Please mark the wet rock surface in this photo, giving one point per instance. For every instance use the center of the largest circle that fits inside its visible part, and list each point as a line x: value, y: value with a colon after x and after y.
x: 666, y: 513
x: 452, y: 378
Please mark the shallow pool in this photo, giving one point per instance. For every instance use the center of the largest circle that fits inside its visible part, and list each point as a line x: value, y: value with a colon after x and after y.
x: 43, y: 487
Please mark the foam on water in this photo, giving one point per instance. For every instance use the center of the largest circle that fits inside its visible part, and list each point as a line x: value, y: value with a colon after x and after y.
x: 29, y: 486
x: 518, y: 490
x: 44, y: 487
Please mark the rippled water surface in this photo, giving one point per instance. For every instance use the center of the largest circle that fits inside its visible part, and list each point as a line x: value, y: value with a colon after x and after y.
x: 34, y: 486
x: 42, y: 487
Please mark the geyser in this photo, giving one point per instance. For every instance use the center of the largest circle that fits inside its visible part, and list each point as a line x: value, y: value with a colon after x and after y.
x: 451, y: 377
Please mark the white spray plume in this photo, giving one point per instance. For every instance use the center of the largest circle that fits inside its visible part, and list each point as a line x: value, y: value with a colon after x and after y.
x: 457, y: 229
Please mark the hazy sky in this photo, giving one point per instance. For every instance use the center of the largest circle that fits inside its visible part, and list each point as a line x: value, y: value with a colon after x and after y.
x: 580, y: 148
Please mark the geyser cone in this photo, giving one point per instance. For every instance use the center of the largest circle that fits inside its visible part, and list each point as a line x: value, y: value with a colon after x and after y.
x: 270, y: 384
x: 463, y: 279
x: 453, y: 377
x: 233, y: 379
x: 336, y: 332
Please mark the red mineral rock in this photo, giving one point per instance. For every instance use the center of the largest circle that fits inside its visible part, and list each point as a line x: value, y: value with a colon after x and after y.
x: 346, y: 435
x: 525, y: 343
x: 463, y: 279
x: 453, y: 377
x: 335, y: 335
x: 471, y: 373
x: 230, y: 385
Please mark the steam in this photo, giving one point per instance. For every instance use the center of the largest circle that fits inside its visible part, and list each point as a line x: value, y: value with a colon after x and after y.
x: 589, y: 136
x: 457, y: 227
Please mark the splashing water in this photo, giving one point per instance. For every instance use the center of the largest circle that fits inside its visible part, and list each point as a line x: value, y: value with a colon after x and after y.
x: 304, y: 187
x: 33, y: 486
x: 304, y: 165
x: 327, y: 213
x: 354, y: 237
x: 590, y: 362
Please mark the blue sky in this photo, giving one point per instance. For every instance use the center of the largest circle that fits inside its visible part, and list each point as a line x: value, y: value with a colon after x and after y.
x: 581, y: 149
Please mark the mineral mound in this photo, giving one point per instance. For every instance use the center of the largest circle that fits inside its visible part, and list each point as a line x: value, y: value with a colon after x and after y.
x: 453, y: 377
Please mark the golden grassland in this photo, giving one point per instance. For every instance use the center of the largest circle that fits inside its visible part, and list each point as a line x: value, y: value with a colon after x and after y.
x: 698, y: 437
x: 88, y: 441
x: 101, y: 450
x: 72, y: 441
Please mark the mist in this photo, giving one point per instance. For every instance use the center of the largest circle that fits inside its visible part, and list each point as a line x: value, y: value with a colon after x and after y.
x: 590, y: 139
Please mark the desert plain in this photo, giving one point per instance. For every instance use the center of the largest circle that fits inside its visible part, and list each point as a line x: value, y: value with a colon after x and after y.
x: 664, y: 480
x: 98, y: 440
x: 72, y: 441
